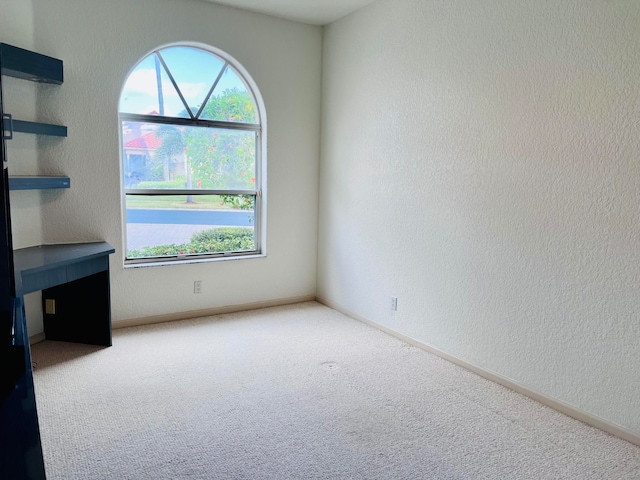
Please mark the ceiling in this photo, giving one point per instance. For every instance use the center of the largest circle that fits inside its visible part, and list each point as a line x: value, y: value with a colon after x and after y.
x: 315, y: 12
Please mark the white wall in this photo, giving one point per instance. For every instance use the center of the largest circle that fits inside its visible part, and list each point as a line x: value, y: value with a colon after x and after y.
x: 99, y: 41
x: 481, y: 161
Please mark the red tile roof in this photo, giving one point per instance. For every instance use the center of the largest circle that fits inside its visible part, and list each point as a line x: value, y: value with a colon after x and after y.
x: 148, y: 141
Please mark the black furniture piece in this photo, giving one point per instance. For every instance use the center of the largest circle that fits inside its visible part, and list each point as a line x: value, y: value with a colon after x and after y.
x: 71, y: 276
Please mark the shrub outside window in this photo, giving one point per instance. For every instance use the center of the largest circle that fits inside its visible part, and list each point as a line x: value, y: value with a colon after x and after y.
x: 191, y: 158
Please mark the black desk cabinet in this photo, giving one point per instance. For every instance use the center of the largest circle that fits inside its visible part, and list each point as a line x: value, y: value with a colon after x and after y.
x: 74, y: 279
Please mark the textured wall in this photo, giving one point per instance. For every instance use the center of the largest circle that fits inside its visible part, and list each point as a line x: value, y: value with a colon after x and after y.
x: 99, y: 43
x: 480, y: 160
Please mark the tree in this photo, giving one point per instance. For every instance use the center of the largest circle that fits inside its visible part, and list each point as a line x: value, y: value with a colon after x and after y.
x: 172, y: 145
x: 225, y: 159
x: 232, y: 105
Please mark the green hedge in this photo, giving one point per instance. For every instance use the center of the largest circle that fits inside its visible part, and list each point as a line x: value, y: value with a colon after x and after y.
x: 224, y: 239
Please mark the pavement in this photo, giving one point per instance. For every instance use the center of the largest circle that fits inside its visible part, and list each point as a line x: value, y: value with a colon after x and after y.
x: 147, y: 234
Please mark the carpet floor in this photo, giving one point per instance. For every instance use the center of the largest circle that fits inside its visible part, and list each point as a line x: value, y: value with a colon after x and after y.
x: 296, y: 392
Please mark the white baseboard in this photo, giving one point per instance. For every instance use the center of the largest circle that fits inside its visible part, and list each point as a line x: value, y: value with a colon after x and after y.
x: 37, y: 338
x: 135, y: 322
x: 551, y: 402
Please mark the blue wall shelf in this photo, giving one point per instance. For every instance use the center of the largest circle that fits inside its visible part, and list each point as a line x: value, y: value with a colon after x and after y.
x: 35, y: 128
x: 20, y: 63
x: 34, y: 182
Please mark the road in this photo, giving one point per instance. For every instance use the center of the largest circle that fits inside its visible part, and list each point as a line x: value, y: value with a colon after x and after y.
x: 235, y: 218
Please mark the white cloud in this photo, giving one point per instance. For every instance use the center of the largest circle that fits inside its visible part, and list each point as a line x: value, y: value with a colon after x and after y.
x: 144, y: 81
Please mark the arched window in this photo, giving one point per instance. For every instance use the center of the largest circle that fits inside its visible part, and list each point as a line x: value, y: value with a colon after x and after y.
x: 191, y: 136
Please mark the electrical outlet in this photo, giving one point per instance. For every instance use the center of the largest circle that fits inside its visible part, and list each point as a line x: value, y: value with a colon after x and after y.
x: 197, y: 286
x: 394, y: 303
x: 50, y: 306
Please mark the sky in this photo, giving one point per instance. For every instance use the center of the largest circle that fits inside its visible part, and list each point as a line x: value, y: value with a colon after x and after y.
x: 193, y: 69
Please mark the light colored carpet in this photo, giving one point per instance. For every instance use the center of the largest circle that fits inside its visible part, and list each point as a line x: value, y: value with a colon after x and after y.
x: 296, y: 392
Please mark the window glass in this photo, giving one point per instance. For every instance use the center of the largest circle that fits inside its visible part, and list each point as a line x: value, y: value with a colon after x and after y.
x: 194, y: 71
x: 180, y: 226
x: 231, y: 101
x: 178, y: 157
x: 141, y: 95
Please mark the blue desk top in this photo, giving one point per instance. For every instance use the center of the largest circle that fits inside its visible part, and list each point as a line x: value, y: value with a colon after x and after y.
x: 45, y: 258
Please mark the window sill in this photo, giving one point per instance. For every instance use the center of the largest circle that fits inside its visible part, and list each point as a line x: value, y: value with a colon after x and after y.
x: 185, y: 261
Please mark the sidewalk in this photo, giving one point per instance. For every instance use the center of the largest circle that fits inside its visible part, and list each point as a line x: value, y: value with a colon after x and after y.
x: 147, y: 234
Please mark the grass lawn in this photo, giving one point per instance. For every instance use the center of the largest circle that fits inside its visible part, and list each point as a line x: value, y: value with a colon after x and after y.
x: 177, y: 201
